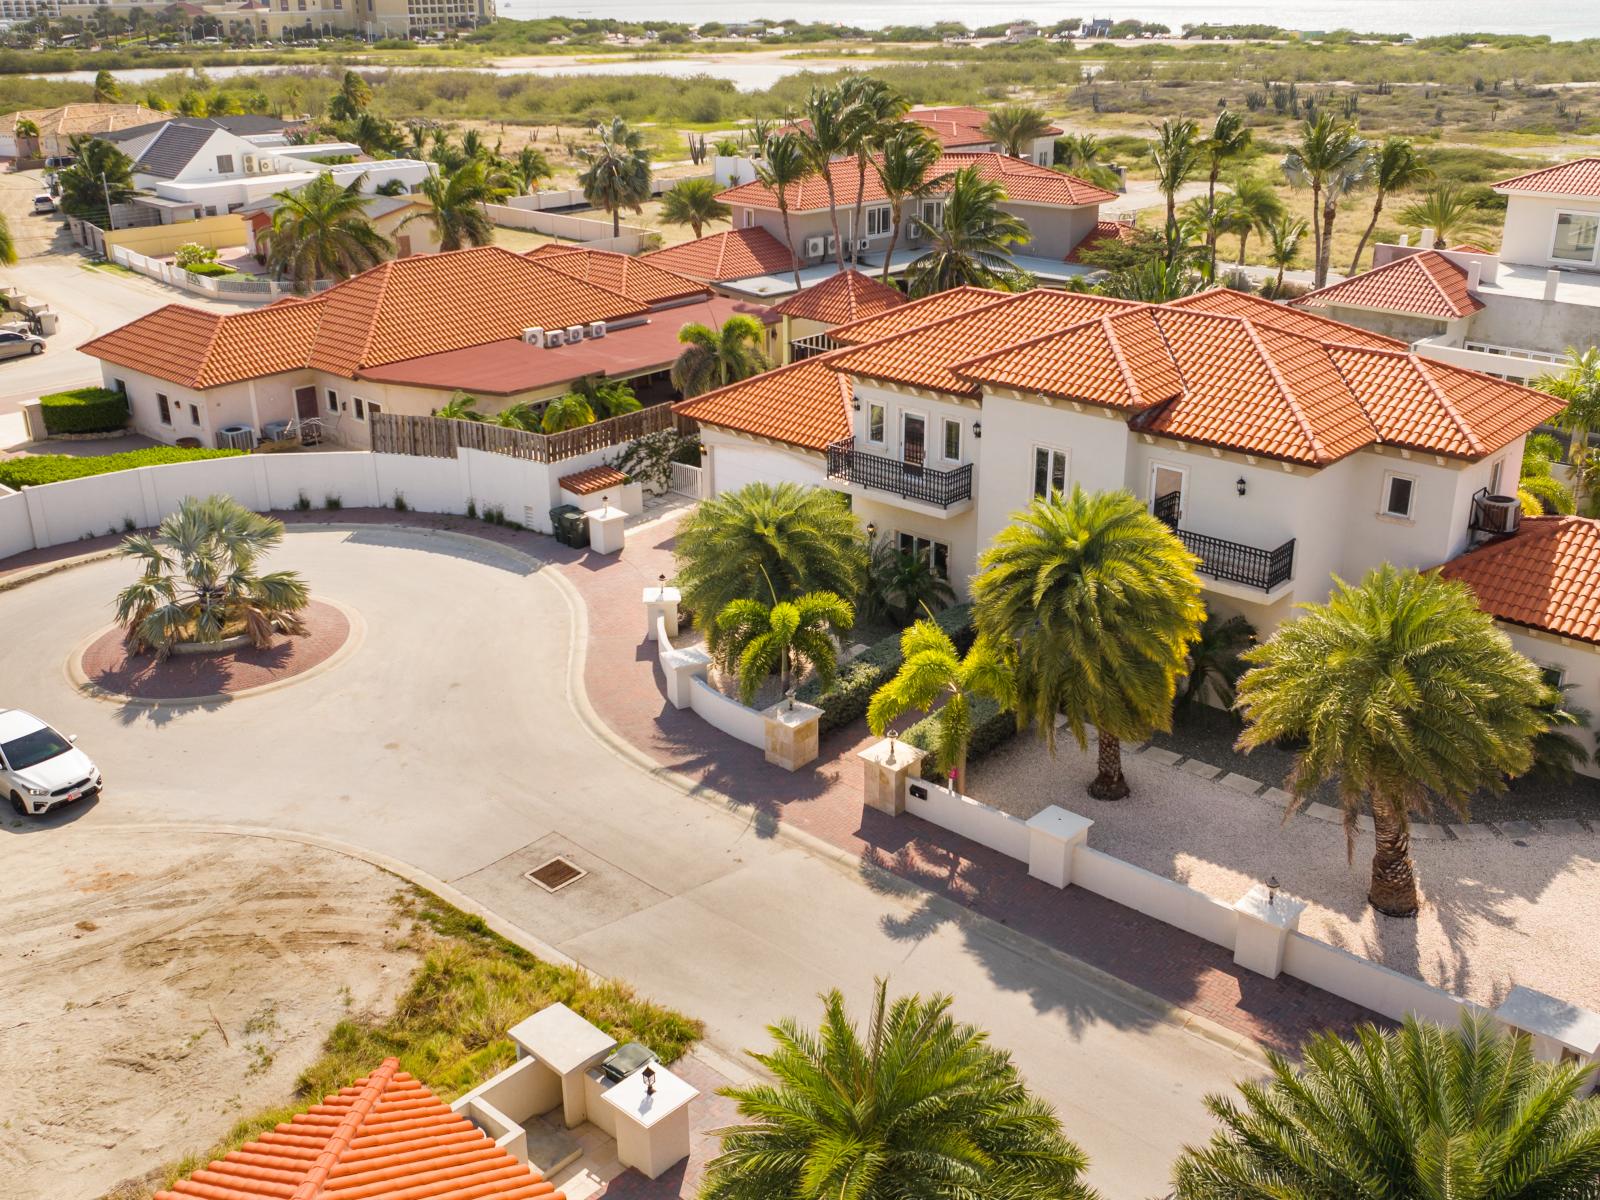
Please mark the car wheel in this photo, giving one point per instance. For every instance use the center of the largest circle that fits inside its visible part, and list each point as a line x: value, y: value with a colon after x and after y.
x: 16, y: 803
x: 38, y: 348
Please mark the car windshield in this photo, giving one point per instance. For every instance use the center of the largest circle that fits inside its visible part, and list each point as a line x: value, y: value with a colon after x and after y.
x: 32, y: 748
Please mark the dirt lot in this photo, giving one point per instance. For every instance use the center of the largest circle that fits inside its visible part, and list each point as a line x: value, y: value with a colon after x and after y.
x: 156, y: 989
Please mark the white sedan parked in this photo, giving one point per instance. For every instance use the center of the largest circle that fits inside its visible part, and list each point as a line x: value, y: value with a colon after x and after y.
x: 39, y: 768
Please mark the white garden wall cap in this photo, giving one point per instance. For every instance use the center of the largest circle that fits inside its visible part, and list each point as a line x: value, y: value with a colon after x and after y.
x: 561, y: 1039
x: 629, y: 1096
x: 1058, y: 822
x: 1281, y: 910
x: 656, y: 594
x: 904, y: 753
x: 1578, y: 1029
x: 792, y: 715
x: 686, y: 656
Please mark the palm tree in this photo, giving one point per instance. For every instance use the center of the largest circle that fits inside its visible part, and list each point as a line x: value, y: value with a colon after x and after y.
x: 971, y: 247
x: 914, y: 1106
x: 1284, y: 236
x: 321, y: 231
x: 456, y: 205
x: 106, y: 88
x: 779, y: 540
x: 1404, y: 690
x: 1419, y: 1111
x: 899, y: 584
x: 1176, y: 154
x: 1227, y: 142
x: 1099, y: 602
x: 694, y: 203
x: 528, y: 169
x: 1079, y: 152
x: 875, y: 112
x: 828, y: 135
x: 783, y: 166
x: 1579, y: 387
x: 8, y: 246
x: 1216, y: 661
x: 1015, y: 127
x: 932, y: 670
x: 26, y: 132
x: 460, y: 407
x: 571, y: 411
x: 1395, y: 168
x: 352, y: 98
x: 101, y: 176
x: 1251, y: 206
x: 714, y: 358
x: 1153, y: 282
x: 904, y: 167
x: 1331, y: 158
x: 758, y: 641
x: 200, y: 581
x: 617, y: 174
x: 1446, y: 209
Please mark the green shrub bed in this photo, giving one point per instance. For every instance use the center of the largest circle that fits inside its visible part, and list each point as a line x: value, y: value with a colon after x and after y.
x: 847, y: 699
x: 992, y: 727
x: 84, y: 410
x: 54, y: 468
x: 210, y: 269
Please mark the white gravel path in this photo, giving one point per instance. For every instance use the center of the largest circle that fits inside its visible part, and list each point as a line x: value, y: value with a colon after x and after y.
x: 1495, y: 912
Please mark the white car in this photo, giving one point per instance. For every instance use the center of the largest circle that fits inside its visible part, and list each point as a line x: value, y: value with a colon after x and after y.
x: 39, y: 768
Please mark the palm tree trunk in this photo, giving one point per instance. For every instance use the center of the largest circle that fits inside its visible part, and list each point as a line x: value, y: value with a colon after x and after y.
x: 1393, y: 890
x: 896, y: 215
x: 861, y: 196
x: 1243, y: 237
x: 1377, y: 207
x: 1330, y: 213
x: 1316, y: 227
x: 833, y: 216
x: 1109, y: 783
x: 794, y: 259
x: 616, y: 222
x: 1211, y: 210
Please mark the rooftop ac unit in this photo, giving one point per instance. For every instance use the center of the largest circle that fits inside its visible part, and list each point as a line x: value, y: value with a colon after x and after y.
x: 533, y: 335
x: 249, y: 164
x: 815, y: 247
x: 861, y: 244
x: 597, y: 329
x: 554, y: 337
x: 833, y: 243
x: 574, y: 333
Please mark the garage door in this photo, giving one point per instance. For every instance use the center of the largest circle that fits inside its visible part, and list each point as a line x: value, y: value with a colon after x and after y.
x: 735, y: 465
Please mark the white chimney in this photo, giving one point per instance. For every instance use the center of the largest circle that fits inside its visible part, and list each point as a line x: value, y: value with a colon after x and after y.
x: 1552, y: 279
x: 1405, y: 239
x: 1474, y: 275
x: 1425, y: 239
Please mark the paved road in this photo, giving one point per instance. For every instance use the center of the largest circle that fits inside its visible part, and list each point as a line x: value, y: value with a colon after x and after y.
x: 449, y: 741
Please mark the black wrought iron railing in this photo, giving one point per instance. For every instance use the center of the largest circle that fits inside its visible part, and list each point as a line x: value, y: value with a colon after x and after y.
x: 908, y: 480
x: 1232, y: 562
x: 809, y: 347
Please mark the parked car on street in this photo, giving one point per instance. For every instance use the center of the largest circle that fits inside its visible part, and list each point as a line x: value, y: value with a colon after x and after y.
x: 41, y: 769
x: 44, y: 202
x: 19, y: 345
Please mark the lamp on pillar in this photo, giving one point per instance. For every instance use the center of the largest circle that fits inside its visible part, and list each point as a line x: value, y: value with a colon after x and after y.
x: 1272, y: 890
x: 661, y: 589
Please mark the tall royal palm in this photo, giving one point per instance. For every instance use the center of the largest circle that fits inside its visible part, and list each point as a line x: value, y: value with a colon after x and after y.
x: 1420, y: 1112
x: 1176, y: 153
x: 827, y: 135
x: 1015, y: 127
x: 616, y: 173
x: 1227, y: 142
x: 783, y: 166
x: 971, y: 246
x: 905, y: 169
x: 914, y: 1106
x: 1403, y: 690
x: 321, y: 231
x: 713, y: 358
x: 1331, y: 159
x: 1099, y: 602
x: 875, y: 113
x: 455, y: 205
x: 1395, y: 168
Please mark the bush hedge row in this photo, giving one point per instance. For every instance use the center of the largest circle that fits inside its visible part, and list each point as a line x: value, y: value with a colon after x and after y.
x: 992, y: 727
x: 53, y: 468
x: 84, y: 410
x: 847, y: 699
x: 210, y: 269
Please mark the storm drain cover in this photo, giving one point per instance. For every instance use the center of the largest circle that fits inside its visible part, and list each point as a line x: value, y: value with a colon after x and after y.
x: 556, y: 874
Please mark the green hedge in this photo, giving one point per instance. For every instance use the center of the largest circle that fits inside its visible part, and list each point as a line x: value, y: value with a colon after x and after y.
x: 992, y: 727
x: 847, y: 699
x: 84, y: 410
x: 53, y: 468
x: 210, y: 269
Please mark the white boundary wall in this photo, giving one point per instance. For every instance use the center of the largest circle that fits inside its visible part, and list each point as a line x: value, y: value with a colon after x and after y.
x: 727, y: 714
x: 970, y: 818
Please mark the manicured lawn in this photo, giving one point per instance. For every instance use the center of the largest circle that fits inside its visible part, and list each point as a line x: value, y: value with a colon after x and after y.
x: 53, y: 468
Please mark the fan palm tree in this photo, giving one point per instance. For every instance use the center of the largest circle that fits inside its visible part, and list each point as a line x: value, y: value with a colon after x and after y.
x: 783, y: 166
x: 758, y: 641
x: 1446, y: 209
x: 101, y: 175
x: 904, y: 167
x: 713, y: 358
x: 1252, y: 205
x: 931, y: 671
x: 1420, y: 1111
x: 828, y: 134
x: 1176, y: 153
x: 616, y: 174
x: 874, y: 114
x: 528, y: 169
x: 456, y: 205
x: 1395, y: 168
x: 915, y: 1105
x: 200, y: 580
x: 1402, y: 689
x: 1015, y: 127
x: 571, y: 411
x: 694, y: 203
x: 971, y: 247
x: 1099, y: 602
x: 776, y: 540
x: 1579, y: 387
x: 1284, y: 237
x: 1331, y: 158
x: 1227, y: 142
x: 321, y: 231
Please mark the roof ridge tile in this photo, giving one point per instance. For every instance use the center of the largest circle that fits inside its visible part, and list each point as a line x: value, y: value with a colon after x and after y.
x: 345, y: 1131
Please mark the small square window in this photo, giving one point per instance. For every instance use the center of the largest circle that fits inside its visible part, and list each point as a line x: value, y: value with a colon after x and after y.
x: 952, y: 440
x: 164, y: 408
x: 224, y: 164
x: 875, y: 422
x: 194, y: 414
x: 361, y: 408
x: 333, y: 401
x: 1552, y: 676
x: 1398, y: 494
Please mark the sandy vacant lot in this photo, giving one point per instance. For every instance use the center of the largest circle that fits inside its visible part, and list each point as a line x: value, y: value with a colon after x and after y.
x: 156, y: 988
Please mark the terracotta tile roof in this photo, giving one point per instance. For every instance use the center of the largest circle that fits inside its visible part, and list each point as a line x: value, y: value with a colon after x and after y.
x: 1227, y: 302
x: 595, y: 479
x: 953, y: 125
x: 1118, y: 360
x: 1545, y: 576
x: 1022, y: 180
x: 201, y: 349
x: 723, y: 257
x: 625, y: 273
x: 805, y: 404
x: 1469, y: 248
x: 1580, y: 177
x: 913, y: 314
x: 1426, y: 284
x: 841, y: 298
x: 70, y: 119
x: 387, y: 1135
x: 1103, y: 232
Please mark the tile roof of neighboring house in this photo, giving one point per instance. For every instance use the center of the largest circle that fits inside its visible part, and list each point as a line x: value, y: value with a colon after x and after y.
x: 1545, y: 576
x: 1469, y: 248
x: 595, y: 479
x: 633, y: 277
x: 201, y: 349
x: 1580, y: 177
x: 913, y: 314
x: 723, y: 257
x: 841, y: 298
x: 170, y: 148
x: 1258, y: 308
x: 1426, y: 284
x: 1103, y: 232
x: 1022, y: 180
x: 805, y: 404
x: 960, y: 125
x: 71, y: 119
x: 385, y: 1135
x: 244, y: 125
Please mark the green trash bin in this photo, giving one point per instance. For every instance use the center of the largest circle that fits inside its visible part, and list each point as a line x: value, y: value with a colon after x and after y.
x: 570, y: 525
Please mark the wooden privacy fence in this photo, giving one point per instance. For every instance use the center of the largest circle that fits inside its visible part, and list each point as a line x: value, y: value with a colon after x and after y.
x: 434, y: 437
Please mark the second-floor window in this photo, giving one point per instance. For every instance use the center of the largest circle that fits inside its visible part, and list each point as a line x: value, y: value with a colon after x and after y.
x: 224, y: 164
x: 879, y: 221
x: 1049, y: 471
x: 749, y: 218
x: 875, y: 423
x: 952, y: 440
x: 1577, y: 235
x: 1399, y: 493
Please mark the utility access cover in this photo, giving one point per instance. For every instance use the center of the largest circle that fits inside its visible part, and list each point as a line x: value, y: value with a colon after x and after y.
x: 555, y: 874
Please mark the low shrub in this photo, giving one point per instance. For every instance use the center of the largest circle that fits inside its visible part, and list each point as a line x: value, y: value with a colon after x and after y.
x: 992, y: 727
x: 84, y: 410
x: 210, y: 270
x: 54, y: 468
x: 847, y: 699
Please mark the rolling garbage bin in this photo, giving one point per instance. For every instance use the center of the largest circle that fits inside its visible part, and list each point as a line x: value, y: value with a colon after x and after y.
x: 570, y: 525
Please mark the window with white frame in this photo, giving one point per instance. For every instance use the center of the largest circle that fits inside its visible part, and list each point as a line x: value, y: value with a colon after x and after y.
x: 879, y: 221
x: 1576, y: 237
x: 360, y: 408
x: 952, y: 440
x: 1495, y: 473
x: 224, y: 164
x: 1399, y: 494
x: 875, y: 422
x: 935, y: 554
x: 164, y: 408
x: 749, y: 218
x: 1553, y: 676
x: 1049, y: 471
x: 333, y: 401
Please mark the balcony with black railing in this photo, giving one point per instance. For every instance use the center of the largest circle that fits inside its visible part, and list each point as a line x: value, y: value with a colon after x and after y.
x: 1230, y: 562
x: 905, y: 479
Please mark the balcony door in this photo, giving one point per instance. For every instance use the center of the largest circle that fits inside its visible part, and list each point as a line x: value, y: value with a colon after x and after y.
x: 1166, y: 492
x: 913, y: 440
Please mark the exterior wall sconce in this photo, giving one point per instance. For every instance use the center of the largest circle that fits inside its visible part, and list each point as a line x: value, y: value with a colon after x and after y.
x: 649, y: 1081
x: 872, y: 531
x: 855, y: 403
x: 977, y: 429
x: 1241, y: 487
